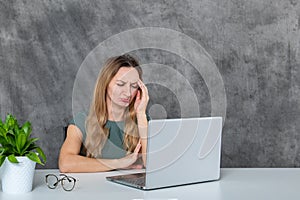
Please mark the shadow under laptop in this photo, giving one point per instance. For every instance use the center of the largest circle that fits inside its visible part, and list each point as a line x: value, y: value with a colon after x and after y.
x: 205, y: 190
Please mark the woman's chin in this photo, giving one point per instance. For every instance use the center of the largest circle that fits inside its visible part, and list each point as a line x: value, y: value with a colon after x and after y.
x: 120, y: 104
x: 123, y: 104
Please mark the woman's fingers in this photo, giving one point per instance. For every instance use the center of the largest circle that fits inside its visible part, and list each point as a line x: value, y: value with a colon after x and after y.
x: 129, y: 160
x: 139, y: 166
x: 143, y: 88
x: 133, y: 166
x: 138, y: 95
x: 137, y: 148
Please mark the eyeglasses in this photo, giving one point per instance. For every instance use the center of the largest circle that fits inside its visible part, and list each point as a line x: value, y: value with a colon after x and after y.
x: 67, y: 182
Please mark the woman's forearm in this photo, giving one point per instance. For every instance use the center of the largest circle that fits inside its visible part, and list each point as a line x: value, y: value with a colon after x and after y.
x: 76, y: 163
x: 143, y: 133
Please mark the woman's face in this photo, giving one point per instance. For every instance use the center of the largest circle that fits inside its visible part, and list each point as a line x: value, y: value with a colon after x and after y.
x: 123, y: 87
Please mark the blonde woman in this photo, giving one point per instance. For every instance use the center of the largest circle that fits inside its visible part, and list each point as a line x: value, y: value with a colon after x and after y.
x: 114, y: 132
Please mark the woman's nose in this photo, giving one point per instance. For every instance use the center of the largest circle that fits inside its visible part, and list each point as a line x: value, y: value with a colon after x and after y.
x: 127, y: 91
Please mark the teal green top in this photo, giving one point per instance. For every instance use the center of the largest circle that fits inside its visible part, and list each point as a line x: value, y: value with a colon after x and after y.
x: 113, y: 148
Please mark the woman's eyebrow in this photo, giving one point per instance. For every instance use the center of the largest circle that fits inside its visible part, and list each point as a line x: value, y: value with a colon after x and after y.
x: 133, y: 83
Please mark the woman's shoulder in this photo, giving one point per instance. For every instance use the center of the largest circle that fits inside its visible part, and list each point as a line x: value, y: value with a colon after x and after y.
x: 79, y: 121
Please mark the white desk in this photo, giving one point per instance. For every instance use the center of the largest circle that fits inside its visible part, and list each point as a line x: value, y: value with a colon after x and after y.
x: 241, y: 184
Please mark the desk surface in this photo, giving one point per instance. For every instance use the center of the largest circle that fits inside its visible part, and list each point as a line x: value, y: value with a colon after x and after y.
x: 234, y: 184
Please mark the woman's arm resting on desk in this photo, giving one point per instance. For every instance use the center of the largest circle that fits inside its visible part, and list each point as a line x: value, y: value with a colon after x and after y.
x: 71, y: 161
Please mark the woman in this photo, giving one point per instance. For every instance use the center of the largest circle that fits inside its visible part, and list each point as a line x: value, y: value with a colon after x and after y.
x: 115, y: 130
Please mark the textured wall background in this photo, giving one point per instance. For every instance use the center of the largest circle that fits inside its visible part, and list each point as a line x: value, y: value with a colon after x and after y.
x: 255, y: 45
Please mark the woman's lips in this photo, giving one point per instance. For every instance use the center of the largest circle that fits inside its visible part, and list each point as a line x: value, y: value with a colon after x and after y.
x: 125, y: 100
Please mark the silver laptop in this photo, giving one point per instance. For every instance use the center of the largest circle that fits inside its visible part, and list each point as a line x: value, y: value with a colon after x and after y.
x: 179, y: 152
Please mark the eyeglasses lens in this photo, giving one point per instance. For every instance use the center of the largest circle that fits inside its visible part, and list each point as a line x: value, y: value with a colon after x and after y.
x: 52, y: 181
x: 68, y: 183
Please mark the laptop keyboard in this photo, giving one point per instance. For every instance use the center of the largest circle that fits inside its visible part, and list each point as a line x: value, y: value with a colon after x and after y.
x: 134, y: 179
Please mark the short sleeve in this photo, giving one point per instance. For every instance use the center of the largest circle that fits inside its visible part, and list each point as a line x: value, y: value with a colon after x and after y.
x: 79, y: 121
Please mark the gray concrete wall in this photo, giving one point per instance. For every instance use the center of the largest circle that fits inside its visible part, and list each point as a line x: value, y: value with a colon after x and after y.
x: 254, y: 45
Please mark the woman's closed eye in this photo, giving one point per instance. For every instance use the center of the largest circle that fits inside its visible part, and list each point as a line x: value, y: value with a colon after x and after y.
x: 135, y: 86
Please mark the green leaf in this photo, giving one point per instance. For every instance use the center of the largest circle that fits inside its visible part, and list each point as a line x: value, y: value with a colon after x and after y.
x: 10, y: 140
x: 3, y: 141
x: 7, y: 149
x: 27, y: 128
x: 2, y: 159
x: 12, y: 159
x: 2, y: 150
x: 11, y: 132
x: 41, y: 153
x: 4, y: 135
x: 30, y: 144
x: 5, y: 127
x: 10, y: 122
x: 34, y: 157
x: 33, y: 140
x: 21, y: 141
x: 17, y: 133
x: 2, y: 130
x: 16, y: 129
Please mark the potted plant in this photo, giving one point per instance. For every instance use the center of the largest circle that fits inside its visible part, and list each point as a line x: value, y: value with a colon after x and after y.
x: 18, y: 155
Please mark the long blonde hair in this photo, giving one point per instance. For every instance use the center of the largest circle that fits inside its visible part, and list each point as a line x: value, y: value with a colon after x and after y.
x: 96, y: 131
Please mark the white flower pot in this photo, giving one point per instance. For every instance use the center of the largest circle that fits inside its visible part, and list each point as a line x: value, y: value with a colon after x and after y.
x: 17, y: 178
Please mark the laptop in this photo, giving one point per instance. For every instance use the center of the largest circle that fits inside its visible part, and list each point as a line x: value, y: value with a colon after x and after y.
x: 179, y: 152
